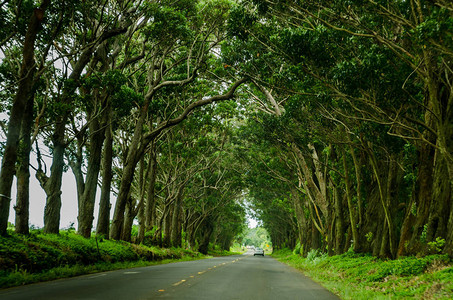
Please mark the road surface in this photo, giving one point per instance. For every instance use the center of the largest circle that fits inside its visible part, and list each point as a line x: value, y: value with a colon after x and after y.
x: 231, y: 277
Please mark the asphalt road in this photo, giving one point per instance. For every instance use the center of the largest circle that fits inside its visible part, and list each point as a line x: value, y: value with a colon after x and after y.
x: 232, y: 277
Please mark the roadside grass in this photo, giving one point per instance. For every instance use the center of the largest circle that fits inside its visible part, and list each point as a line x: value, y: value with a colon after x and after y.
x: 361, y: 276
x: 41, y: 257
x: 217, y: 251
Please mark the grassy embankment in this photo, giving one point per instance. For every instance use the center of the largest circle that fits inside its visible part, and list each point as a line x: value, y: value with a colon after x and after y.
x: 39, y: 257
x: 357, y: 276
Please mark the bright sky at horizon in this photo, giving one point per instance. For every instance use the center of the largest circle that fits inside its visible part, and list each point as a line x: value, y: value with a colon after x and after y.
x: 252, y: 223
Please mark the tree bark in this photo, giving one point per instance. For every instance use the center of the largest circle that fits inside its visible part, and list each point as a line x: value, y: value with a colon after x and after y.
x: 440, y: 208
x: 86, y: 206
x: 355, y: 234
x: 176, y: 219
x: 208, y: 229
x: 339, y: 223
x: 129, y: 216
x: 103, y: 224
x: 150, y: 206
x: 53, y: 188
x: 166, y: 241
x: 141, y: 204
x: 23, y: 173
x: 384, y: 201
x: 24, y: 94
x: 76, y: 167
x: 417, y: 213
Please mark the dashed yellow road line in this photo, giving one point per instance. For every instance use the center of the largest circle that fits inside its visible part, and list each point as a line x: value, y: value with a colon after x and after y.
x: 179, y: 282
x: 199, y: 273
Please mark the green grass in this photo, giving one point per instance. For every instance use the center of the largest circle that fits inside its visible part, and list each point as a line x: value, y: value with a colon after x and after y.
x: 355, y: 276
x: 238, y: 249
x: 39, y: 257
x: 216, y: 251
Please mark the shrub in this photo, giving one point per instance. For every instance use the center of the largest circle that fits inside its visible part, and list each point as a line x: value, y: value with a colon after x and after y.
x: 312, y: 254
x: 299, y: 249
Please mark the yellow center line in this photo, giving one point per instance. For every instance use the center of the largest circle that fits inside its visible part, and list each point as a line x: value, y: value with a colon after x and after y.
x: 179, y: 282
x: 199, y: 273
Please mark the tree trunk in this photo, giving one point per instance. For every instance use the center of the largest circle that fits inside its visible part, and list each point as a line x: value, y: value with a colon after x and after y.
x: 103, y: 224
x: 443, y: 170
x: 207, y: 232
x: 448, y: 248
x: 127, y: 177
x: 414, y: 225
x: 384, y: 201
x: 176, y: 219
x: 440, y: 208
x: 167, y: 228
x: 23, y: 173
x: 150, y: 206
x: 372, y: 219
x: 315, y: 238
x: 24, y: 94
x: 141, y: 224
x: 358, y: 175
x: 76, y: 167
x: 339, y: 224
x: 141, y: 204
x: 355, y: 234
x: 121, y: 200
x: 129, y: 216
x: 161, y: 224
x: 300, y: 216
x: 86, y: 206
x: 53, y: 189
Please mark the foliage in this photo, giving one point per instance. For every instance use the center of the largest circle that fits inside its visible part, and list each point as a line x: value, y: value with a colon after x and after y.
x: 39, y: 257
x: 361, y: 276
x: 257, y: 237
x: 217, y: 251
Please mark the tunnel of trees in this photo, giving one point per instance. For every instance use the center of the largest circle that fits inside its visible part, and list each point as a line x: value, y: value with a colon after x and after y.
x: 334, y: 119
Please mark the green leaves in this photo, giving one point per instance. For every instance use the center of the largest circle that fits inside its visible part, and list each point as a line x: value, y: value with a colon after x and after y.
x: 239, y: 22
x: 125, y: 99
x: 168, y: 23
x: 437, y: 27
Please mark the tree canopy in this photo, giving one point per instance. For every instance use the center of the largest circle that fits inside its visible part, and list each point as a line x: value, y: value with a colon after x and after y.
x: 332, y: 119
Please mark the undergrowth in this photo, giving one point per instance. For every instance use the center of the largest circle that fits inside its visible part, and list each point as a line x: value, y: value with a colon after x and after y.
x: 217, y: 251
x: 362, y: 276
x: 40, y: 257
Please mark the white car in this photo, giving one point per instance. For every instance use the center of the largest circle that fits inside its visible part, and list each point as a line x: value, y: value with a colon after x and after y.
x: 258, y: 251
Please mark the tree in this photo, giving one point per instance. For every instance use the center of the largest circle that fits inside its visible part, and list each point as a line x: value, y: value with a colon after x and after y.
x: 352, y: 76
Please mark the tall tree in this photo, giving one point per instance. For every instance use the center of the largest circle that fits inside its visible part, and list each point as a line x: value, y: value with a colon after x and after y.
x: 23, y: 96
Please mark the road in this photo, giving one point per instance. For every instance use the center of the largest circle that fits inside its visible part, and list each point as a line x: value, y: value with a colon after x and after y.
x: 230, y: 277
